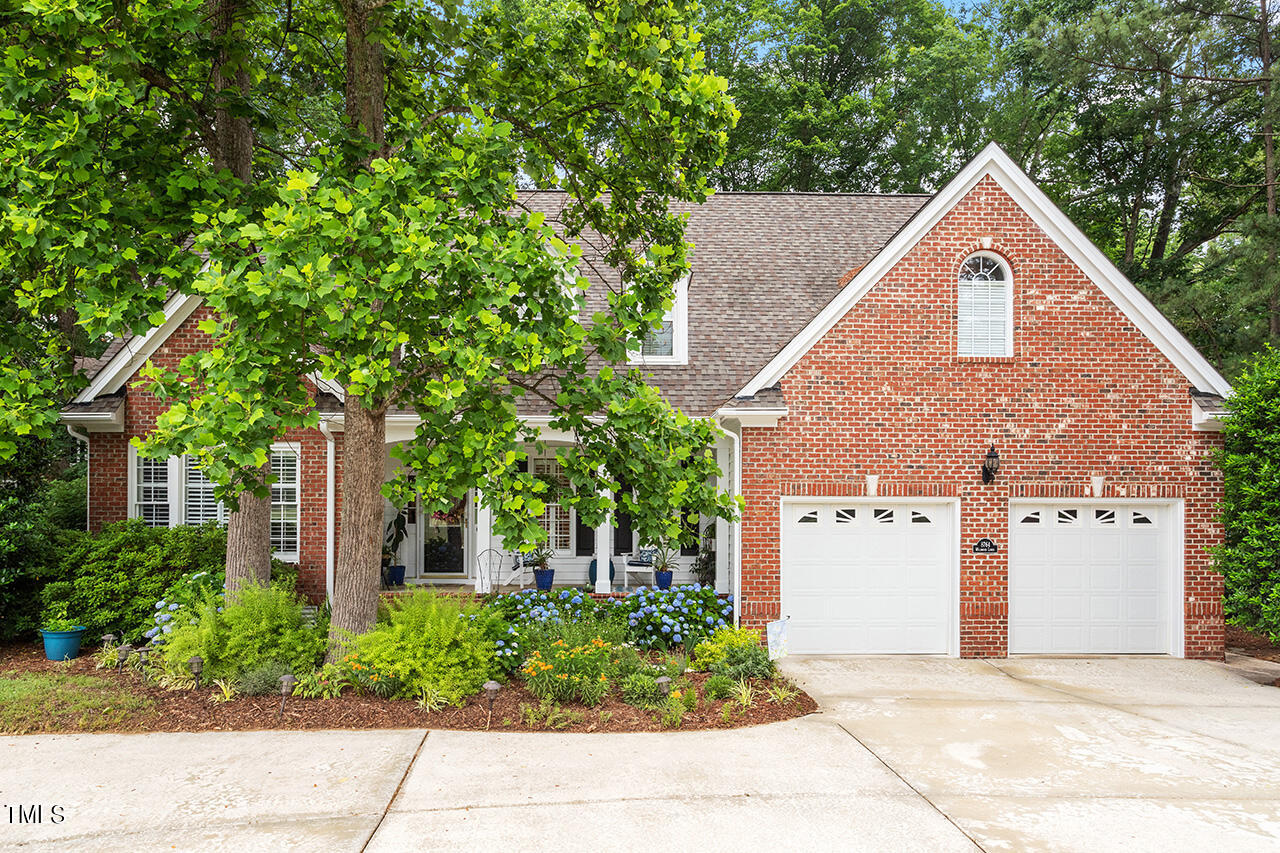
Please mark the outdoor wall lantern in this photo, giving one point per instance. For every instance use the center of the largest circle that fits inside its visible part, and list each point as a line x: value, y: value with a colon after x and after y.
x: 990, y: 465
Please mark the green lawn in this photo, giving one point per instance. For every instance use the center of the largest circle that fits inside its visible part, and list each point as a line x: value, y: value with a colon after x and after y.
x: 37, y: 701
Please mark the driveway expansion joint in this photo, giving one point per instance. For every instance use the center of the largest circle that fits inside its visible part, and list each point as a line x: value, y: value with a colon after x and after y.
x: 916, y: 790
x: 399, y: 785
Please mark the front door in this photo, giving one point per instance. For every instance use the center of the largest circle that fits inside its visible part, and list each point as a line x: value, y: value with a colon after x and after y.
x: 442, y: 538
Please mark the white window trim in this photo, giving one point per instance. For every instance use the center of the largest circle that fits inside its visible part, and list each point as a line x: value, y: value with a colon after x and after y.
x: 1008, y: 305
x: 175, y: 474
x: 679, y: 315
x: 296, y: 449
x: 549, y: 454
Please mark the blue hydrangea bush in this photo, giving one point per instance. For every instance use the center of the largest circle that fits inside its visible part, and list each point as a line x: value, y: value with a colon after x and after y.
x: 679, y: 616
x: 181, y: 602
x: 528, y: 608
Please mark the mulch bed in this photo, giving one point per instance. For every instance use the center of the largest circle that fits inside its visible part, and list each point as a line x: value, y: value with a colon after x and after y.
x: 194, y: 710
x: 1246, y: 642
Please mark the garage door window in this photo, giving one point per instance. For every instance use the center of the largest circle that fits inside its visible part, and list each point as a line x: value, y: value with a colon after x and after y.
x: 810, y: 517
x: 1030, y: 518
x: 1104, y: 517
x: 1141, y: 518
x: 883, y: 516
x: 846, y: 516
x: 1068, y: 516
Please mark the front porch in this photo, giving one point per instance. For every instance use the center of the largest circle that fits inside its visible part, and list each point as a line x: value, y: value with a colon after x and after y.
x: 458, y: 549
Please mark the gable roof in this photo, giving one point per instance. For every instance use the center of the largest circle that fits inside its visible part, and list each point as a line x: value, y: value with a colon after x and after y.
x: 125, y: 356
x: 994, y: 162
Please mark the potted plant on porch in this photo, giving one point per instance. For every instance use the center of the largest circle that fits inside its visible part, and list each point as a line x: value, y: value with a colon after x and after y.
x: 61, y: 635
x: 397, y: 530
x: 664, y: 563
x: 539, y: 558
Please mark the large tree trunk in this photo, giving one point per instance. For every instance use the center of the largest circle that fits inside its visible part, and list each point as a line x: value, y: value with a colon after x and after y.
x: 249, y: 527
x: 366, y: 77
x: 249, y: 542
x: 1269, y: 164
x: 356, y: 575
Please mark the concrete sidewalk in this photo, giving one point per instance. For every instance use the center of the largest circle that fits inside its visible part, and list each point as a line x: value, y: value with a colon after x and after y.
x: 801, y: 783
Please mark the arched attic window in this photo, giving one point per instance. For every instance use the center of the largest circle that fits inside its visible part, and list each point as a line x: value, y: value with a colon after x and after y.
x: 984, y: 325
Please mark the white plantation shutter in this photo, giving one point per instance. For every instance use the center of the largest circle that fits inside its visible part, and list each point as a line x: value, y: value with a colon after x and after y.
x: 151, y: 498
x: 285, y: 501
x: 984, y: 309
x: 555, y: 518
x: 201, y: 505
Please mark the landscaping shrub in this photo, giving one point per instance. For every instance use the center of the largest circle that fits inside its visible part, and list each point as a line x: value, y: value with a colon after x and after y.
x: 741, y: 662
x: 27, y: 561
x: 431, y: 641
x: 1250, y: 461
x: 114, y: 579
x: 181, y: 602
x: 263, y: 679
x: 264, y: 624
x: 712, y: 651
x: 641, y: 690
x: 680, y: 616
x: 718, y: 687
x: 626, y: 661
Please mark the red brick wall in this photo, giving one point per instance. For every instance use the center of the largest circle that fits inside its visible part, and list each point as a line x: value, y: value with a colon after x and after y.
x: 1084, y: 394
x: 109, y: 454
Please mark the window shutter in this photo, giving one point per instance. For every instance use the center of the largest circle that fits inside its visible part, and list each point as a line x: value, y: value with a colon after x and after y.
x: 586, y: 537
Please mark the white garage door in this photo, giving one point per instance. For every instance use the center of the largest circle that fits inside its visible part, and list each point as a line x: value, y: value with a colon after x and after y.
x: 868, y: 578
x: 1090, y: 578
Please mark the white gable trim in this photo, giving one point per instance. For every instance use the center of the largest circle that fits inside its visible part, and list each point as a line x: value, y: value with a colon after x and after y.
x: 994, y: 162
x: 134, y: 354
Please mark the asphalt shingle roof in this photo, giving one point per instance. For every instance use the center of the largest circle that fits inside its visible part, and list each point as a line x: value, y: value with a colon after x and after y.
x: 763, y: 265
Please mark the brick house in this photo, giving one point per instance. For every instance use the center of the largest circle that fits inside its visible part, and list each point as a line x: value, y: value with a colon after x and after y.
x: 957, y: 427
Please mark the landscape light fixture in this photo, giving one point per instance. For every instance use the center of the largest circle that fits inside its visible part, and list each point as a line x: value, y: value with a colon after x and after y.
x: 286, y: 688
x: 108, y: 639
x: 122, y: 655
x: 990, y: 465
x: 196, y: 665
x: 491, y: 689
x: 664, y: 684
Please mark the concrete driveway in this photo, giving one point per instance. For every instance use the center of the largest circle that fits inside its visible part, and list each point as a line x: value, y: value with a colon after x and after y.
x: 1070, y: 754
x: 909, y: 754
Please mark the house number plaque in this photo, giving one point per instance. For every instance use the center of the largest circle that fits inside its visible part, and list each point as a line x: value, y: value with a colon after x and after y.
x: 985, y: 546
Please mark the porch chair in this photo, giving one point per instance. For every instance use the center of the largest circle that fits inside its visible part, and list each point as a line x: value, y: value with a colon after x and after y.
x: 492, y: 562
x: 641, y: 562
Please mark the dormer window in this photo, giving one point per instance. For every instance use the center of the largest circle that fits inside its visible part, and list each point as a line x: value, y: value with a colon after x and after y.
x: 669, y: 342
x: 984, y: 308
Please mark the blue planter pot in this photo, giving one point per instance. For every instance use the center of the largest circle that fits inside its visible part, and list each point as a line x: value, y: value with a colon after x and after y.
x: 591, y: 572
x: 395, y: 574
x: 662, y: 580
x: 62, y: 645
x: 542, y: 578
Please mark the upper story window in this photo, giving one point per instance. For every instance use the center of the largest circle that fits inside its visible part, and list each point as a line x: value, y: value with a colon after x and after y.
x: 669, y: 343
x: 985, y: 308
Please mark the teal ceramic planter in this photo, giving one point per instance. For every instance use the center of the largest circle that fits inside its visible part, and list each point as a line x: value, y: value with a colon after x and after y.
x: 62, y: 645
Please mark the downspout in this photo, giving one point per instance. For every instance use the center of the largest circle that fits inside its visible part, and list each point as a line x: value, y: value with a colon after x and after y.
x: 328, y: 508
x: 736, y: 590
x: 85, y: 438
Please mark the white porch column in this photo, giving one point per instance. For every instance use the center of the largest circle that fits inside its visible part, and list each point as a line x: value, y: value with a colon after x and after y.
x: 484, y: 541
x: 604, y: 552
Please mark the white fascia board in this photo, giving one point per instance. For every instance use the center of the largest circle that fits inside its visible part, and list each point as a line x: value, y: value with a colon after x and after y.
x: 1073, y: 242
x: 134, y: 354
x: 327, y: 385
x: 752, y: 417
x: 95, y: 421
